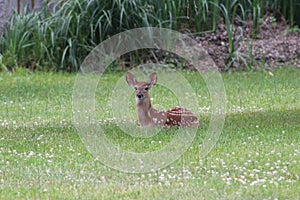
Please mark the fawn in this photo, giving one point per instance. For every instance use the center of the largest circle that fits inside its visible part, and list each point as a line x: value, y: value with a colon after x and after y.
x: 150, y: 117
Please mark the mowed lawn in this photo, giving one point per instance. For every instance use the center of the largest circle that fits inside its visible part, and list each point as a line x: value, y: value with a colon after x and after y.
x: 256, y: 157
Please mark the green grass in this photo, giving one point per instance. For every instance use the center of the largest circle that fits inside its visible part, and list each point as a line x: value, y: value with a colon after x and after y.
x: 256, y: 157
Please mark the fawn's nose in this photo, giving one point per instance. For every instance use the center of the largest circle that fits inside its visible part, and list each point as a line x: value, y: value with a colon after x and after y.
x: 140, y: 96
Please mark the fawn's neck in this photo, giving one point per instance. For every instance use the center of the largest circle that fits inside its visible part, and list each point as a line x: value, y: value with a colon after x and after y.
x: 148, y: 116
x: 144, y: 110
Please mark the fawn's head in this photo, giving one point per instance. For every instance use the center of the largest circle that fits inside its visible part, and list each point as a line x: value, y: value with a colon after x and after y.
x: 141, y: 88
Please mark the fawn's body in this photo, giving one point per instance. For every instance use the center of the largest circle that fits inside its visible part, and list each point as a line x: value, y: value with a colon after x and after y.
x: 150, y: 117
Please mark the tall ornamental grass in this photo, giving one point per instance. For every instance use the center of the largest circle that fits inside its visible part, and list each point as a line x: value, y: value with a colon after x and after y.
x: 61, y: 40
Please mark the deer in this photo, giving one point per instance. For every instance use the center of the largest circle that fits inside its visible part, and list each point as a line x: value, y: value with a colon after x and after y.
x: 149, y: 116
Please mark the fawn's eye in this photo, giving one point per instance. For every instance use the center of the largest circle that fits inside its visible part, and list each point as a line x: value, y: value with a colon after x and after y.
x: 146, y: 88
x: 135, y: 88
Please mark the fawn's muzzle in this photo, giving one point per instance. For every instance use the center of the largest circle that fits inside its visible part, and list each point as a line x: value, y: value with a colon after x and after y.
x: 140, y: 96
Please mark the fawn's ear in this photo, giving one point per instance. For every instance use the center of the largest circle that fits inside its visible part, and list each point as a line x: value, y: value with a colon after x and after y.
x: 152, y: 79
x: 130, y: 79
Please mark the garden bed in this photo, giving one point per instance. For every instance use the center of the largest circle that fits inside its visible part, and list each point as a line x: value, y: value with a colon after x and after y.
x: 276, y: 44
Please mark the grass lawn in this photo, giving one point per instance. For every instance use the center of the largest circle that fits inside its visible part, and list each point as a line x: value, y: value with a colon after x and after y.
x: 257, y: 155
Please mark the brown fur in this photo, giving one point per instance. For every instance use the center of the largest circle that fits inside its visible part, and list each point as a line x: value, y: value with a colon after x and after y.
x: 150, y: 117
